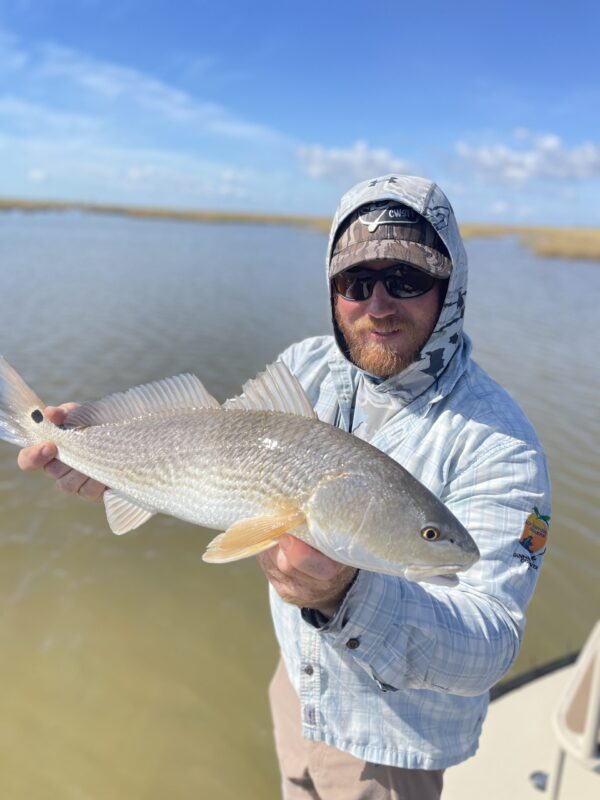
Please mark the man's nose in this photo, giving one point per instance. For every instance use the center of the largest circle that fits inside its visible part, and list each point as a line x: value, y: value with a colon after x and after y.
x: 380, y: 304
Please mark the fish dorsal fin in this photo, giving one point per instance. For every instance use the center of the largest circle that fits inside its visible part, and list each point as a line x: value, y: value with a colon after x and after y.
x: 169, y: 394
x: 251, y: 535
x: 275, y: 389
x: 123, y: 514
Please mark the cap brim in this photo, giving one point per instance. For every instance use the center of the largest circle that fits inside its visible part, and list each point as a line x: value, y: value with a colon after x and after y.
x: 419, y: 255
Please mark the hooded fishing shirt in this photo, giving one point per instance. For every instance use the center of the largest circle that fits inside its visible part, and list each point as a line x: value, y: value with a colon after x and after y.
x: 400, y: 675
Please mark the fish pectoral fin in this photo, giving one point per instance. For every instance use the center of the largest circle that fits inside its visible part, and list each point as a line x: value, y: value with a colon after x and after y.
x: 250, y: 536
x: 123, y: 514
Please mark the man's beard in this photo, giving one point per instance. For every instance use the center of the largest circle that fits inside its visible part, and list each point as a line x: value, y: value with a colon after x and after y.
x: 378, y: 358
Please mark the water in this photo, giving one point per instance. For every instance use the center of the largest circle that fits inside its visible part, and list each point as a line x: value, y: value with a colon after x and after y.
x: 130, y: 668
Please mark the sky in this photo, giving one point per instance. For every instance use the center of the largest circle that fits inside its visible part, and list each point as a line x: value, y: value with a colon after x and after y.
x: 281, y: 106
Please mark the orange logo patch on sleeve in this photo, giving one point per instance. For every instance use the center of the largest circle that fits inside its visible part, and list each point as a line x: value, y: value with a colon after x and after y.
x: 535, y: 531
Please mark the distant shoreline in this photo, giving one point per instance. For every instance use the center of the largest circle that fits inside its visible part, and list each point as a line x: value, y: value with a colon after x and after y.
x: 570, y: 243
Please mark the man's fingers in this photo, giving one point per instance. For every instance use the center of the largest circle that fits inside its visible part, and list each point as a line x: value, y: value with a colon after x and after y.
x: 56, y: 469
x: 303, y: 576
x: 57, y: 414
x: 40, y: 455
x: 44, y: 456
x: 294, y: 554
x: 37, y: 456
x: 71, y: 482
x: 91, y: 489
x: 67, y: 480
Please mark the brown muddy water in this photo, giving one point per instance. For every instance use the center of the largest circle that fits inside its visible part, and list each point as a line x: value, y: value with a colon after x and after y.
x: 130, y: 669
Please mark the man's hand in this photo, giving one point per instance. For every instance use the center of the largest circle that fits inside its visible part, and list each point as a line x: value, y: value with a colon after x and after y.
x: 305, y: 577
x: 43, y: 456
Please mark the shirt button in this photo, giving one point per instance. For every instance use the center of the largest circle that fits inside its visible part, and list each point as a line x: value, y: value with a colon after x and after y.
x: 352, y: 644
x: 309, y: 669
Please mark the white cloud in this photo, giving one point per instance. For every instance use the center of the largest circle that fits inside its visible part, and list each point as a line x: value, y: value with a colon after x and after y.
x: 134, y: 174
x: 110, y: 80
x: 524, y: 212
x: 548, y: 143
x: 521, y: 133
x: 36, y: 175
x: 59, y: 71
x: 346, y: 166
x: 12, y: 57
x: 165, y: 173
x: 74, y: 125
x: 540, y: 157
x: 113, y: 82
x: 33, y: 117
x: 499, y: 207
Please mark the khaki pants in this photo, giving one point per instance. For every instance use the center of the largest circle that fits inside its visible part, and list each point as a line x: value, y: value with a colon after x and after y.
x: 318, y: 771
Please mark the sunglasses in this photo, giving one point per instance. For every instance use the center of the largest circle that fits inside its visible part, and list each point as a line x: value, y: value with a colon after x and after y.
x: 401, y: 282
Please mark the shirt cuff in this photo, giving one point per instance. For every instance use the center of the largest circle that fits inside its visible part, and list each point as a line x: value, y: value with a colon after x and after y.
x: 319, y: 620
x: 369, y: 624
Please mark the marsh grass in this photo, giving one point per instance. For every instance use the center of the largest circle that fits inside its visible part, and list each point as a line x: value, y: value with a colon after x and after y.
x: 570, y: 243
x: 153, y: 212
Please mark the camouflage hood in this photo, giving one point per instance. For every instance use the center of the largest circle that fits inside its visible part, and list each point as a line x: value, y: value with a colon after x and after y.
x: 447, y: 338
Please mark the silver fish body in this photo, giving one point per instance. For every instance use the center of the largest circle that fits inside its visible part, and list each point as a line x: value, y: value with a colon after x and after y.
x: 251, y: 469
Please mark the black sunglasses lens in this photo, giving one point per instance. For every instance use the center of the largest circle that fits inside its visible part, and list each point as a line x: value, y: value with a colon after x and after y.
x: 408, y: 284
x: 352, y: 286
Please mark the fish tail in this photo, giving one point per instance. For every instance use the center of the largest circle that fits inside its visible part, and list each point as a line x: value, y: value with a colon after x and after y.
x: 17, y: 406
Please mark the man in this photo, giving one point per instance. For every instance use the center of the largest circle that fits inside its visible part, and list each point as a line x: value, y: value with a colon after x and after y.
x: 384, y: 682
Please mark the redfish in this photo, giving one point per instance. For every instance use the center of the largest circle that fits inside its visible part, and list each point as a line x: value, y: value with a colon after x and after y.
x: 257, y: 467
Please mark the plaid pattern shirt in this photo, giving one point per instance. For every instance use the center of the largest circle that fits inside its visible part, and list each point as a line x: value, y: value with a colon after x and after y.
x: 400, y: 675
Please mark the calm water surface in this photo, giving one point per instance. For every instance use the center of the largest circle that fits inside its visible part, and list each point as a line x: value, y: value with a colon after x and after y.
x: 130, y: 668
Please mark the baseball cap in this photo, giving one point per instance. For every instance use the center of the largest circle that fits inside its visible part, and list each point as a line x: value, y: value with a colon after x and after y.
x: 389, y: 230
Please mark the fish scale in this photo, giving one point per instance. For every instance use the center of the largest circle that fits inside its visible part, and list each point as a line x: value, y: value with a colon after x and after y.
x: 207, y: 457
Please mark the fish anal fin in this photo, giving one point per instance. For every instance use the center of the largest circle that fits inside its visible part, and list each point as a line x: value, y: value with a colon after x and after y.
x: 123, y: 514
x: 251, y: 535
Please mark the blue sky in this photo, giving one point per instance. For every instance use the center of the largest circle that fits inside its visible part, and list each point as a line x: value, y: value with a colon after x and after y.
x: 280, y: 106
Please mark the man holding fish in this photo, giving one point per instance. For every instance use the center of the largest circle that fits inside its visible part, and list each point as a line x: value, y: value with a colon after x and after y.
x: 385, y: 673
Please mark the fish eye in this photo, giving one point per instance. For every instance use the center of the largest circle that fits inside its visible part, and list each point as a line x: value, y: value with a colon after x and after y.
x: 430, y: 534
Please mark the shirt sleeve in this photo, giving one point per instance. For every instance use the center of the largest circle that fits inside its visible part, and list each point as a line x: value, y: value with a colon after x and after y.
x: 461, y: 639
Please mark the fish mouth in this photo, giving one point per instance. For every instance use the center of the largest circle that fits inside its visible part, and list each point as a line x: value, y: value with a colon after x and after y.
x: 419, y: 572
x: 442, y: 576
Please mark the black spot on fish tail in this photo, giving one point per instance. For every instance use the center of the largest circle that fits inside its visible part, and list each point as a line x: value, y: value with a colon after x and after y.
x: 37, y: 415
